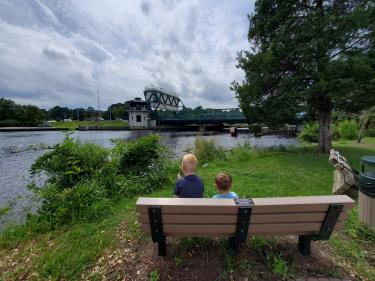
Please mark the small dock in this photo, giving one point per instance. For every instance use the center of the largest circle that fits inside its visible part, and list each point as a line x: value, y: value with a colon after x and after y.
x: 288, y: 130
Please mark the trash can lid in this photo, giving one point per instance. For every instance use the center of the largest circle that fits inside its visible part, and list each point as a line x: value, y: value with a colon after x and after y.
x: 369, y: 160
x: 368, y: 176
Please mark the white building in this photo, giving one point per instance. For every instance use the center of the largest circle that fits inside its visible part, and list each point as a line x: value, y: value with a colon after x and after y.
x: 138, y: 111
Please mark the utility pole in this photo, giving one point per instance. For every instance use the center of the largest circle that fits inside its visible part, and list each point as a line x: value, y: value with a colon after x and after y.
x: 97, y: 91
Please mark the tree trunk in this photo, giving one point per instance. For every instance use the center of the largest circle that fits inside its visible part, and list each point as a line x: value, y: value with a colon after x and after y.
x: 364, y: 125
x: 325, y: 137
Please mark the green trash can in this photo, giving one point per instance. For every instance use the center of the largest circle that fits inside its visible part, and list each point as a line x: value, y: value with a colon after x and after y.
x: 366, y: 194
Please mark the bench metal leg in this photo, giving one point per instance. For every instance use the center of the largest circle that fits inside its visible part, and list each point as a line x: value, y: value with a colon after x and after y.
x: 234, y: 245
x: 157, y: 233
x: 304, y: 245
x: 162, y: 248
x: 243, y: 222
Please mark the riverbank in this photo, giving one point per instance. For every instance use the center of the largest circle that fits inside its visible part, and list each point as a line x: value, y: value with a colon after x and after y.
x: 114, y: 245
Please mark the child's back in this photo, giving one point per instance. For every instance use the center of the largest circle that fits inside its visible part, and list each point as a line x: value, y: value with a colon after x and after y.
x: 228, y: 195
x: 189, y: 186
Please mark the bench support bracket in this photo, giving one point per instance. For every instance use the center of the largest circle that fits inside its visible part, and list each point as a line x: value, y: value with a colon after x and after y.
x: 157, y: 233
x: 243, y: 222
x: 333, y: 214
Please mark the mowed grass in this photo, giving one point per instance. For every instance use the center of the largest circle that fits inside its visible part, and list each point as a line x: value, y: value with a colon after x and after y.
x: 70, y: 252
x: 73, y: 125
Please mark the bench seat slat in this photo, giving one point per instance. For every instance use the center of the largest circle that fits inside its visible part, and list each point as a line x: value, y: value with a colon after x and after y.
x: 232, y: 219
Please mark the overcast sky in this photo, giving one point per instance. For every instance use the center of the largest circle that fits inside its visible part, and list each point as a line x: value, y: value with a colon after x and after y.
x: 59, y: 52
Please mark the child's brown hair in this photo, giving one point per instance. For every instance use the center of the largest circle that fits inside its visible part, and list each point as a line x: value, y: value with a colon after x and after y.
x: 223, y: 181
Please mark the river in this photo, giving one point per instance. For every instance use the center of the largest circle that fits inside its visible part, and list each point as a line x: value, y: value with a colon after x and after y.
x: 18, y: 150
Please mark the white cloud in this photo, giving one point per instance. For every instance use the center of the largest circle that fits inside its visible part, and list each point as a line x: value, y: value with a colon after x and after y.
x: 59, y: 52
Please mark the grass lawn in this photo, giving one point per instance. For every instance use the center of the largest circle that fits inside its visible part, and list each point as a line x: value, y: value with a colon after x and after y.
x: 114, y: 247
x: 73, y: 125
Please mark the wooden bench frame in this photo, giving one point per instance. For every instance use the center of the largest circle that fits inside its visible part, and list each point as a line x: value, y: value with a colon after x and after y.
x: 345, y: 176
x: 334, y: 207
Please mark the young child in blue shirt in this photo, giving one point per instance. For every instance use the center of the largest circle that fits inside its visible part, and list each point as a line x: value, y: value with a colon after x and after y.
x: 223, y: 183
x: 190, y: 185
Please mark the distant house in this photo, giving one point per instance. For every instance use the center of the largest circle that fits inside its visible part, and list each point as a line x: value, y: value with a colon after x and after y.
x: 138, y: 111
x: 68, y: 120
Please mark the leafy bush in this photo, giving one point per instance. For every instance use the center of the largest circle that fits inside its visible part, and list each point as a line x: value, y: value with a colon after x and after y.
x: 70, y: 162
x: 206, y: 150
x: 370, y: 133
x: 335, y: 132
x: 348, y: 129
x: 83, y: 179
x: 310, y: 133
x: 136, y: 157
x: 255, y: 129
x: 85, y: 201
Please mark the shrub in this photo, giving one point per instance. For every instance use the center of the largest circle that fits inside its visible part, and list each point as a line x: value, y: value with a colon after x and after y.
x: 348, y: 129
x: 85, y: 201
x: 241, y: 152
x: 335, y: 132
x: 206, y: 150
x: 310, y: 133
x: 370, y: 132
x: 84, y: 179
x: 70, y: 162
x: 136, y: 157
x: 255, y: 129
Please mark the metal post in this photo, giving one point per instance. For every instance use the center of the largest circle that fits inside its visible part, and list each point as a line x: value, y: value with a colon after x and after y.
x: 243, y: 222
x: 330, y: 220
x: 156, y: 225
x: 304, y: 245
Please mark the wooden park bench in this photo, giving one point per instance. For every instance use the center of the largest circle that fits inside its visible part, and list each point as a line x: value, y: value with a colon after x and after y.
x: 345, y: 176
x: 309, y: 217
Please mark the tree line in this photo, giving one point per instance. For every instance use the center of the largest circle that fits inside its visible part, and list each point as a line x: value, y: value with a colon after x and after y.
x: 12, y: 114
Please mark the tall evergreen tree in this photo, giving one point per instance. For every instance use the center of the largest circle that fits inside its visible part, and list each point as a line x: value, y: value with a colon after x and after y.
x: 308, y: 56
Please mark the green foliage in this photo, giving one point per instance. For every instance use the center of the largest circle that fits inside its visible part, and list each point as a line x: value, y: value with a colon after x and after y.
x: 310, y: 133
x: 255, y: 129
x: 312, y: 56
x: 84, y: 179
x: 70, y: 162
x: 370, y: 133
x: 348, y: 129
x: 12, y: 114
x: 142, y: 155
x: 207, y: 150
x: 4, y: 211
x: 278, y: 265
x: 154, y: 276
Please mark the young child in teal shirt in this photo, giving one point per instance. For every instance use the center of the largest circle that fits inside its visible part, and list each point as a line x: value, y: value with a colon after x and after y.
x: 223, y: 183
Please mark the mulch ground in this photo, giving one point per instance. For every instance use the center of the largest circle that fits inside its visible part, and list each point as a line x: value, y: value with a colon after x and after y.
x: 138, y: 260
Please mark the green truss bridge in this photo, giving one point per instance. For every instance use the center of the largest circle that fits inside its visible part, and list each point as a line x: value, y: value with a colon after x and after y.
x: 168, y: 109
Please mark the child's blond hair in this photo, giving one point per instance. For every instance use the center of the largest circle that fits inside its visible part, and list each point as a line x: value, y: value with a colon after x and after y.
x: 189, y: 163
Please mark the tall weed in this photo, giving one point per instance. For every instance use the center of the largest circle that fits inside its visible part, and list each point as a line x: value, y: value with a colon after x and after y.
x: 207, y: 150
